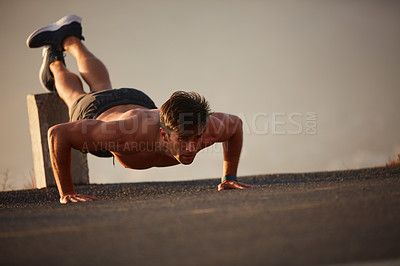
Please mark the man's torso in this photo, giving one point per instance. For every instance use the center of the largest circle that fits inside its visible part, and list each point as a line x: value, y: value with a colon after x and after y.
x: 144, y: 151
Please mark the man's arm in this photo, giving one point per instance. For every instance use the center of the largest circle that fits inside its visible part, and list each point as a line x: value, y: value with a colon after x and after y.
x: 84, y: 135
x: 229, y: 131
x: 233, y: 145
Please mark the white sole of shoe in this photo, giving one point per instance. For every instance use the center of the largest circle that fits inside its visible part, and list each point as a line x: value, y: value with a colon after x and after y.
x: 55, y: 26
x: 42, y: 68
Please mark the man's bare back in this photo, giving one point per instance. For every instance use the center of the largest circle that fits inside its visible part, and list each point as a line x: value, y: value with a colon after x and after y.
x: 144, y: 154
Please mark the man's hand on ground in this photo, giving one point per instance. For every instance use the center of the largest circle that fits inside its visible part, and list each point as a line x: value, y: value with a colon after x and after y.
x: 231, y: 184
x: 76, y: 198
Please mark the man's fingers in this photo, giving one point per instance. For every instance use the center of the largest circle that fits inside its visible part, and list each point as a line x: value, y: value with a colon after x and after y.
x: 72, y: 199
x: 77, y: 198
x: 238, y: 186
x: 92, y: 197
x: 247, y: 186
x: 86, y: 197
x: 230, y: 185
x: 234, y: 185
x: 82, y: 197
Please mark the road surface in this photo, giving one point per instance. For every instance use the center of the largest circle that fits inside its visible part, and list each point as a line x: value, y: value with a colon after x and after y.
x: 348, y: 217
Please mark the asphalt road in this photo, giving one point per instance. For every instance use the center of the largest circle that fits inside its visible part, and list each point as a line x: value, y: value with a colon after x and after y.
x: 349, y: 217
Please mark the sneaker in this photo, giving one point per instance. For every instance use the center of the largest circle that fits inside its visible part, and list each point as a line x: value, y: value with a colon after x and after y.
x: 54, y: 34
x: 45, y: 76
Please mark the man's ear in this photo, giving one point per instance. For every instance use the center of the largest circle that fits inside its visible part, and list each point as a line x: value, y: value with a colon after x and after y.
x: 164, y: 134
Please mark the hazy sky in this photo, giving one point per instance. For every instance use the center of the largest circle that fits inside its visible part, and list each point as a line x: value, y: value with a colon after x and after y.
x: 316, y: 82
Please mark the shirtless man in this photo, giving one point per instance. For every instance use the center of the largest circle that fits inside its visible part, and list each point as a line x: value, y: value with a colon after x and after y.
x: 124, y: 123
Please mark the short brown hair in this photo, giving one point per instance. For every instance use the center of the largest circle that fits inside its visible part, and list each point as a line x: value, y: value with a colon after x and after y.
x: 184, y: 111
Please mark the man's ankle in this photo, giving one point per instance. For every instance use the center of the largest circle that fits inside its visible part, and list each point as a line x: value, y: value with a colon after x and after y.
x: 69, y: 41
x: 56, y: 66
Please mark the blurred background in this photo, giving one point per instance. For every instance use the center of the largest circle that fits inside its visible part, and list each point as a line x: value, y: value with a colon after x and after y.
x: 317, y: 83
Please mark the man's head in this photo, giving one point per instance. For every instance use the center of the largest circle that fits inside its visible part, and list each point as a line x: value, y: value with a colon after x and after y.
x: 183, y: 119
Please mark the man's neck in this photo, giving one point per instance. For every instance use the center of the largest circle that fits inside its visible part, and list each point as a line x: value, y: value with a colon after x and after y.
x: 163, y: 147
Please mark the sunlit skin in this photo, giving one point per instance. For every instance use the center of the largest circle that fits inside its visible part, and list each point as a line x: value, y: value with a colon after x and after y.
x: 160, y: 148
x: 183, y: 147
x: 132, y: 133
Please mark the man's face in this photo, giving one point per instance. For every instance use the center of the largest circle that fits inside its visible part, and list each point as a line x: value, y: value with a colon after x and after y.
x: 184, y: 147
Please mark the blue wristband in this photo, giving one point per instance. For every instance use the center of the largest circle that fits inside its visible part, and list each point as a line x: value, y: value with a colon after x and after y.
x: 229, y: 177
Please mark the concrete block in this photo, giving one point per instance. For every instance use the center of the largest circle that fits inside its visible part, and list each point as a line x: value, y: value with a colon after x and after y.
x: 46, y: 110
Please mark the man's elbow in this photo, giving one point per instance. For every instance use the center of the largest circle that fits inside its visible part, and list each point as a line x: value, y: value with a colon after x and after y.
x: 54, y: 132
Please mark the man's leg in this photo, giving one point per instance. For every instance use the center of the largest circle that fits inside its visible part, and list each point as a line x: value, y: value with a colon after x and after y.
x: 68, y: 85
x: 66, y: 34
x: 92, y: 70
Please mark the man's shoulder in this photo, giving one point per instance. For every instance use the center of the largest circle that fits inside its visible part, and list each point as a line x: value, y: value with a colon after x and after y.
x: 216, y: 124
x: 217, y: 119
x: 222, y: 124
